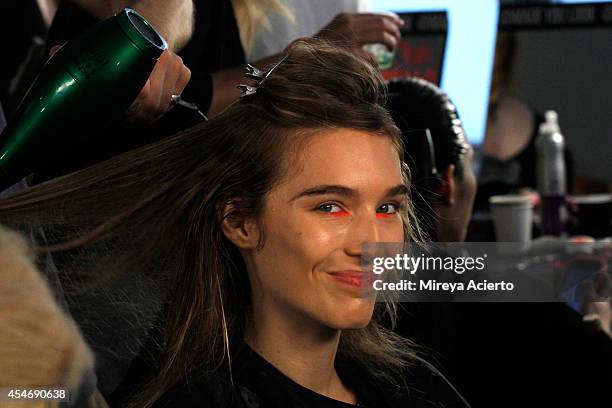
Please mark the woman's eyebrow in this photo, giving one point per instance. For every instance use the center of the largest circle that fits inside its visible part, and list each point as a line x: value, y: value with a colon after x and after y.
x: 327, y: 189
x: 400, y: 189
x: 345, y: 191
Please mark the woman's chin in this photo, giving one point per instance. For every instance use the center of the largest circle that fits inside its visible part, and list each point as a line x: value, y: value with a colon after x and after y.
x: 354, y: 325
x: 358, y: 325
x: 355, y: 317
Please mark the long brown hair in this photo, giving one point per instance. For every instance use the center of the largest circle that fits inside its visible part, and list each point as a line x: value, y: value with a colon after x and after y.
x: 160, y: 207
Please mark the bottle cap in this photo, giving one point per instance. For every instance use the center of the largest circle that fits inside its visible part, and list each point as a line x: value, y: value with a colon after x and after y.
x: 551, y: 123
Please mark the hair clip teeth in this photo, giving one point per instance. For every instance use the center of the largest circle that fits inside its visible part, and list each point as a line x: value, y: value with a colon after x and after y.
x: 254, y: 73
x: 246, y: 90
x: 259, y: 76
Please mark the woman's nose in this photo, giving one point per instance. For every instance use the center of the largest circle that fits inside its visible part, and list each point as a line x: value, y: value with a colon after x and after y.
x: 364, y: 229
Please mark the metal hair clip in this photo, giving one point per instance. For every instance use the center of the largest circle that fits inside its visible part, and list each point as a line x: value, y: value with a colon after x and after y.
x: 432, y: 152
x: 254, y: 73
x: 259, y: 76
x: 246, y: 90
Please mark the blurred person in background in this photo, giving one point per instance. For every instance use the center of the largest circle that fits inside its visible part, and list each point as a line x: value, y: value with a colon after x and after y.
x: 445, y: 188
x: 508, y: 154
x: 521, y: 351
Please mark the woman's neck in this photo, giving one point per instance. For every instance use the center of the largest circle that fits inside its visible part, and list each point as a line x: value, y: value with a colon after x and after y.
x: 302, y: 350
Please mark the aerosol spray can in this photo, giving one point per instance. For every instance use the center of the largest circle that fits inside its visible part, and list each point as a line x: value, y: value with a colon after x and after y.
x: 551, y: 176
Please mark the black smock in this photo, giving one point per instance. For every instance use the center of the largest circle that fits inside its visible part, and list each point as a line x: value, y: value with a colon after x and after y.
x: 258, y: 384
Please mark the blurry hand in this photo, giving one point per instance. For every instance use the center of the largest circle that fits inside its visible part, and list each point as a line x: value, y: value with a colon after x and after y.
x: 169, y: 77
x: 597, y: 308
x: 353, y: 30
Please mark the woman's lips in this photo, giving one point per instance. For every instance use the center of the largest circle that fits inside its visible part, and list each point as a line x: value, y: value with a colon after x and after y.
x: 356, y: 279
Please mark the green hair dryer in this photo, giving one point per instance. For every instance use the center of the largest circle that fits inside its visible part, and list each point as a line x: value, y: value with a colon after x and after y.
x: 89, y: 82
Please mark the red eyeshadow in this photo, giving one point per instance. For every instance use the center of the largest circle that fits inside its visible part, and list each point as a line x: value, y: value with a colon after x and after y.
x: 340, y: 214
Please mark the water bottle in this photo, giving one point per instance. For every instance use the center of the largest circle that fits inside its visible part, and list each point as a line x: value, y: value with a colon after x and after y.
x: 551, y: 175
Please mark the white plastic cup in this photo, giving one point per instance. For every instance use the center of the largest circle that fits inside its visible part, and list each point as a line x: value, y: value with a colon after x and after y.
x: 383, y: 56
x: 512, y: 217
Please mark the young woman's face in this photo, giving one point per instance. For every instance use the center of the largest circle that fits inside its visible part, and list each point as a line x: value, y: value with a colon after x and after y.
x: 344, y: 189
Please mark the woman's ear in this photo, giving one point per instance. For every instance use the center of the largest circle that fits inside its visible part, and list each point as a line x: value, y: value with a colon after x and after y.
x: 243, y: 233
x: 448, y: 189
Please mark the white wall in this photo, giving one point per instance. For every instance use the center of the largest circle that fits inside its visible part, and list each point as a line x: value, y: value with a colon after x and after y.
x: 570, y: 71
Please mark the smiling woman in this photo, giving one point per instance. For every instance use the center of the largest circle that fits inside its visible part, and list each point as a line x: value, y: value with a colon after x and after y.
x: 256, y: 221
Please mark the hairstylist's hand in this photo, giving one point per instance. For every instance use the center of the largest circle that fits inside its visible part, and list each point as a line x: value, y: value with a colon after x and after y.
x: 169, y: 77
x: 353, y: 30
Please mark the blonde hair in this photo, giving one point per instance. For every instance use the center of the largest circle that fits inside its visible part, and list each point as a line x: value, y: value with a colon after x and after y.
x: 252, y: 16
x: 40, y: 346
